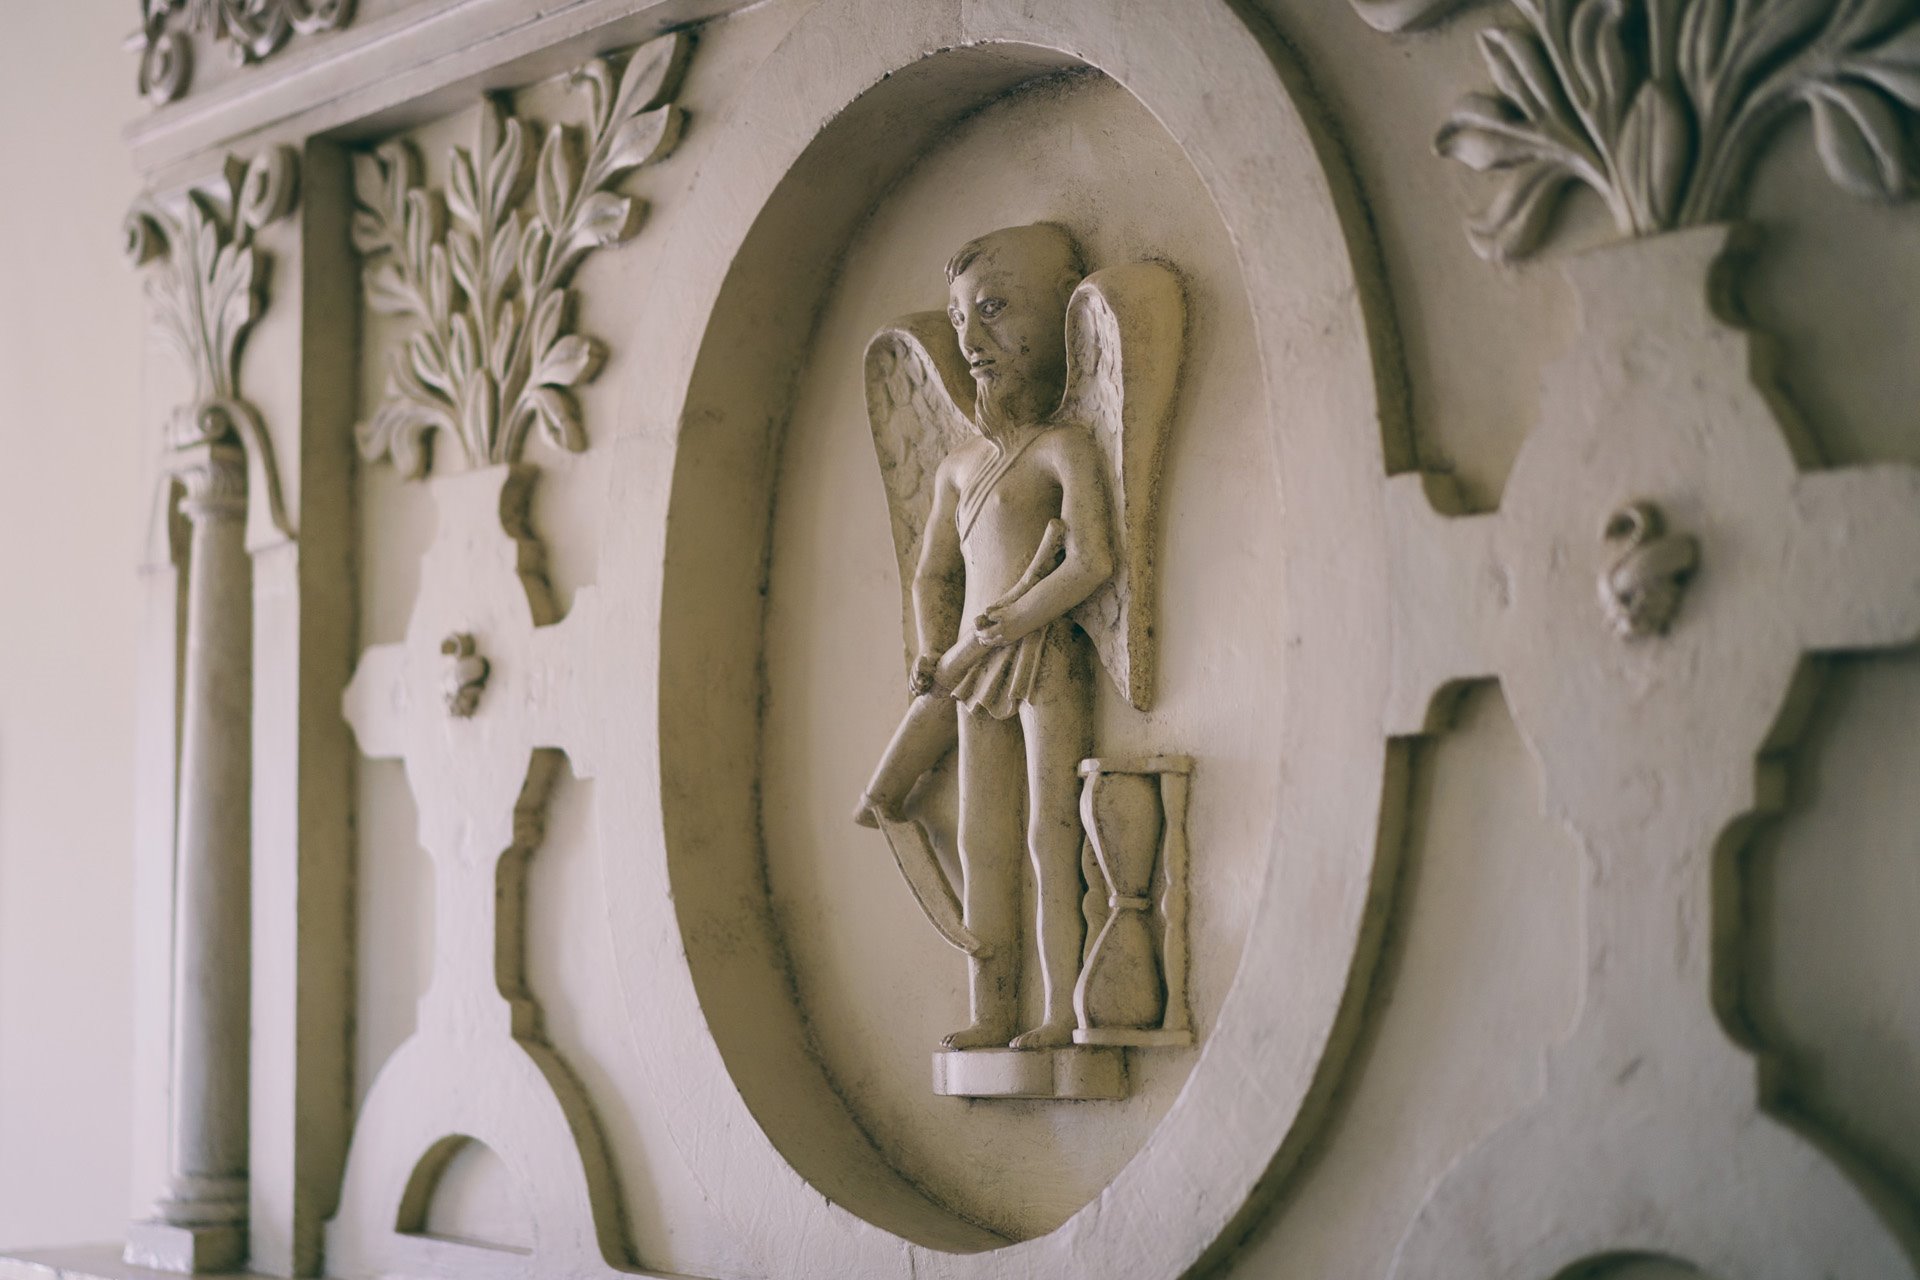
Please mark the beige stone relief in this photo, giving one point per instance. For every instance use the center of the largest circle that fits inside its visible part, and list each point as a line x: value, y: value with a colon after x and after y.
x: 1023, y: 519
x: 249, y: 29
x: 207, y: 288
x: 490, y: 693
x: 1660, y: 107
x: 1078, y: 469
x: 1658, y: 757
x: 492, y: 357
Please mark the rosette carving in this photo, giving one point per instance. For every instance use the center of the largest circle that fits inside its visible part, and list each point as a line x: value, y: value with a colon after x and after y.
x: 1660, y: 106
x: 484, y: 268
x: 252, y: 29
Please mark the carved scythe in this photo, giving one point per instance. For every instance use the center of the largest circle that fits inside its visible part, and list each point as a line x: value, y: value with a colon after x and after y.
x: 926, y: 734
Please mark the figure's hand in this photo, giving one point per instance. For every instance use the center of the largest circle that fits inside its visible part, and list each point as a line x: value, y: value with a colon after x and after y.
x: 921, y: 681
x: 990, y: 628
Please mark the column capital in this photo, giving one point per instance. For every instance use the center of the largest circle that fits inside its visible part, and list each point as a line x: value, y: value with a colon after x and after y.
x: 214, y: 475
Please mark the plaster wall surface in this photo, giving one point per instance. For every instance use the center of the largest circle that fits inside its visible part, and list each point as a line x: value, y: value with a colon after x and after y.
x: 73, y: 463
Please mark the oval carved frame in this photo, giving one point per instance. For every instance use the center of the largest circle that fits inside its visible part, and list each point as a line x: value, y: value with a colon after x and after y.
x: 751, y: 1112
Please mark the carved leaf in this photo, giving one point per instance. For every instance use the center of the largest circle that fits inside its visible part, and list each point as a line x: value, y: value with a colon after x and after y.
x: 559, y: 418
x: 1484, y: 133
x: 439, y: 284
x: 644, y: 138
x: 462, y: 250
x: 424, y: 359
x: 598, y: 78
x: 506, y: 171
x: 230, y: 305
x: 1859, y: 140
x: 388, y: 291
x: 479, y: 415
x: 462, y: 195
x: 1520, y: 214
x: 1865, y: 19
x: 462, y: 367
x: 1656, y: 149
x: 368, y: 233
x: 547, y: 318
x: 533, y: 251
x: 399, y: 430
x: 501, y: 267
x: 1518, y: 63
x: 553, y: 190
x: 423, y: 227
x: 1704, y: 31
x: 650, y: 74
x: 1775, y: 27
x: 569, y: 361
x: 505, y: 331
x: 1405, y: 15
x: 1894, y: 67
x: 605, y: 219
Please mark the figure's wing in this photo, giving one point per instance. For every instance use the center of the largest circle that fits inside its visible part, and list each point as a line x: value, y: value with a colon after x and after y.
x: 1126, y: 338
x: 919, y: 404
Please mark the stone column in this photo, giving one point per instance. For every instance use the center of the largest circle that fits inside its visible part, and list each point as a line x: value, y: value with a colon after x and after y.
x: 201, y: 1223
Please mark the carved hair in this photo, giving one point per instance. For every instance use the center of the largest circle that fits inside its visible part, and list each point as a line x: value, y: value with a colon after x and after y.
x: 1048, y: 236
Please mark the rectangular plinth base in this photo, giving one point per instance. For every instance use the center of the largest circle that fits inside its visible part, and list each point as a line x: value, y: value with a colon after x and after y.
x: 1076, y: 1073
x: 162, y: 1246
x: 1140, y: 1037
x: 85, y: 1262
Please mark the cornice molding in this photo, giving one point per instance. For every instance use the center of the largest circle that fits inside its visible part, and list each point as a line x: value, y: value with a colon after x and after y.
x: 383, y: 74
x: 251, y: 29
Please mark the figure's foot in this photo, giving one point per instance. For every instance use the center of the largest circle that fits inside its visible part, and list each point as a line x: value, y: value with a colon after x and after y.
x: 979, y: 1035
x: 1048, y: 1035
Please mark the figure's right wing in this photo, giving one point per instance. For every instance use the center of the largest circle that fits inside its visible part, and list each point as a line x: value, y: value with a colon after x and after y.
x: 919, y: 404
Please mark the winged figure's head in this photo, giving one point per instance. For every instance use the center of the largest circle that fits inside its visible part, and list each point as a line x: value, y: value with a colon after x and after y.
x: 1007, y: 297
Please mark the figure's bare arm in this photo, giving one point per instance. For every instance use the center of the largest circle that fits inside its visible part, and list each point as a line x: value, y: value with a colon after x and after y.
x: 1088, y: 561
x: 939, y: 579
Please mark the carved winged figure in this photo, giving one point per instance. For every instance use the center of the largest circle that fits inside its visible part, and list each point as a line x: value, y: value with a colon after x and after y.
x: 1020, y: 437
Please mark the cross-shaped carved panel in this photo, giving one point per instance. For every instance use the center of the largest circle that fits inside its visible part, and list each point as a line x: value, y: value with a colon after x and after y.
x: 1655, y: 744
x: 482, y: 726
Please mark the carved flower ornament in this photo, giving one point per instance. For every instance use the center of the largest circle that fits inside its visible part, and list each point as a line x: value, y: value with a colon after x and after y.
x: 1660, y: 106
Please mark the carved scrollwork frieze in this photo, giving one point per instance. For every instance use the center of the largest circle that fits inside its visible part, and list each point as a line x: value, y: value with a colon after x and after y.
x: 1661, y: 106
x: 483, y: 268
x: 207, y: 287
x: 251, y: 29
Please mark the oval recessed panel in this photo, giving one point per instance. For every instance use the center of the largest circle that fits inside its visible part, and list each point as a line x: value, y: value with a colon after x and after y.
x: 876, y: 984
x: 797, y: 1036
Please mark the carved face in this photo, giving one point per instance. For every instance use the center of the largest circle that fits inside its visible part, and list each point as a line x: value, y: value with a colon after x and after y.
x: 1008, y: 309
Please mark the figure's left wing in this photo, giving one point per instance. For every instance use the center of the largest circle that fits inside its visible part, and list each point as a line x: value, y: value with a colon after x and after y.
x: 1126, y: 339
x: 919, y: 398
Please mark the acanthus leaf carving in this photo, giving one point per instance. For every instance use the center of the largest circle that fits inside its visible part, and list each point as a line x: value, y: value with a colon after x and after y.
x: 207, y: 290
x: 483, y: 268
x: 1660, y: 106
x: 252, y: 29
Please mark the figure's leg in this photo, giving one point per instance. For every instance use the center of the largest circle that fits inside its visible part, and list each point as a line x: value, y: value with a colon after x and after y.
x: 990, y: 843
x: 1058, y: 727
x: 925, y: 736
